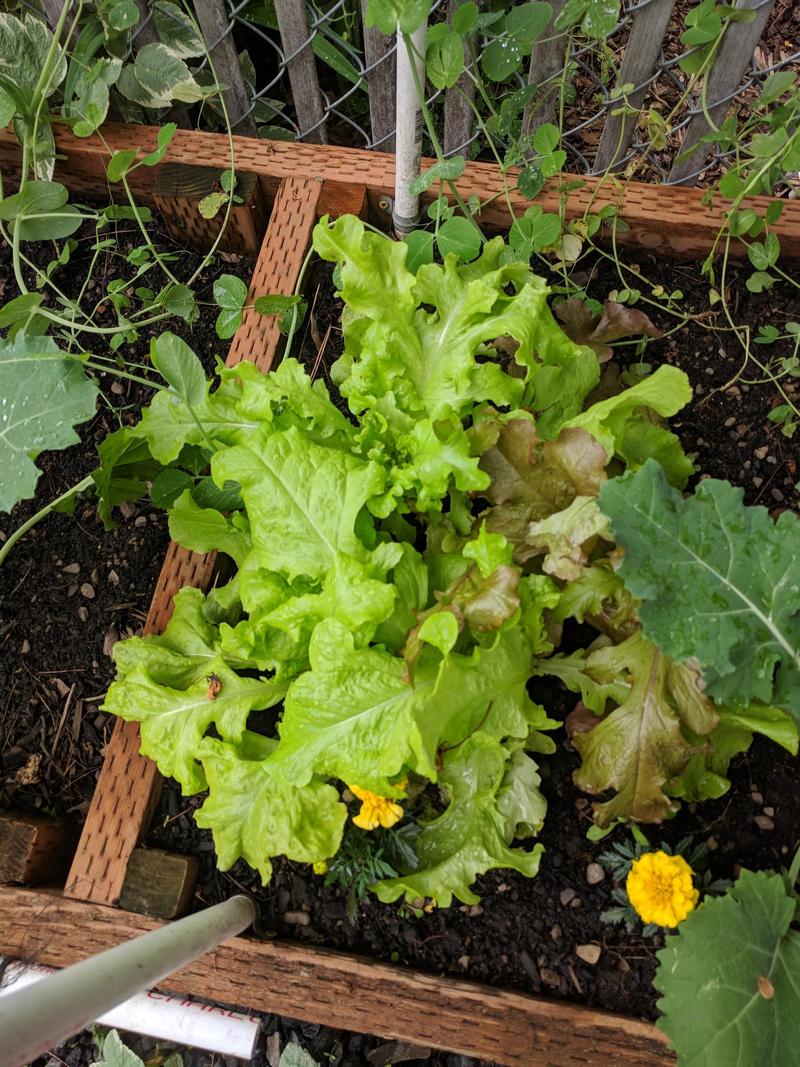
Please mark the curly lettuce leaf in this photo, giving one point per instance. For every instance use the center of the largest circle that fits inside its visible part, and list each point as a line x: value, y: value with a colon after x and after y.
x: 255, y: 814
x: 356, y: 717
x: 639, y: 747
x: 487, y: 805
x: 717, y: 581
x: 303, y: 500
x: 624, y: 424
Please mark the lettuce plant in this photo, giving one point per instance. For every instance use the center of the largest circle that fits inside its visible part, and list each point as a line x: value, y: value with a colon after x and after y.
x: 403, y: 575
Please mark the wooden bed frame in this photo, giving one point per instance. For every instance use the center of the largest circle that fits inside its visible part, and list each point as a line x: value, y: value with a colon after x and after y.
x: 287, y: 188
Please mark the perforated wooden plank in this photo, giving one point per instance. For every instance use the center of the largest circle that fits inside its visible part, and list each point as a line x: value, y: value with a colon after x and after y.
x: 128, y: 785
x: 336, y: 989
x: 669, y: 221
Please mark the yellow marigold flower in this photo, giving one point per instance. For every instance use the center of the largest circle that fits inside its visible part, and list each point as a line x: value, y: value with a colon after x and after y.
x: 375, y: 810
x: 320, y: 867
x: 660, y: 888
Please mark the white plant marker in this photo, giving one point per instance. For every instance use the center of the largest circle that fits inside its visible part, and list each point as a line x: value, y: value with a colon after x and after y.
x: 38, y: 1017
x: 408, y: 138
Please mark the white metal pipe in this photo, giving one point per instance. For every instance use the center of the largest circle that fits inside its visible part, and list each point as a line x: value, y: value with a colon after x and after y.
x: 175, y: 1019
x: 35, y: 1019
x: 408, y: 139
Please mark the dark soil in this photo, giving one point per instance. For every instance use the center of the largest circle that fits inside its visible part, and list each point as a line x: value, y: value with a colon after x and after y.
x: 69, y: 588
x: 525, y: 932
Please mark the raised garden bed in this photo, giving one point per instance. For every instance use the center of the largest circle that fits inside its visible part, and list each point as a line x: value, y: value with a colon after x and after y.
x: 300, y: 980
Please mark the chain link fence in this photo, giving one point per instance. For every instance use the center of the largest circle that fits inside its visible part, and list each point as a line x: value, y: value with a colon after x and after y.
x: 299, y: 70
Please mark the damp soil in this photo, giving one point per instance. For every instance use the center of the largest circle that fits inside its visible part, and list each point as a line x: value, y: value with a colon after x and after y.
x: 524, y: 934
x: 531, y: 934
x: 69, y: 588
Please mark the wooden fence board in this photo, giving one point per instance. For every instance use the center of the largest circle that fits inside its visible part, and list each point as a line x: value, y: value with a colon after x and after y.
x: 381, y: 70
x: 128, y: 785
x: 641, y: 54
x: 340, y: 990
x: 675, y: 222
x: 547, y: 59
x: 213, y: 19
x: 301, y: 65
x: 725, y: 77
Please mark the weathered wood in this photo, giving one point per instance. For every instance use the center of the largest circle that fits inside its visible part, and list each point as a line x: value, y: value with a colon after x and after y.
x: 641, y: 54
x: 349, y: 992
x: 35, y: 848
x: 723, y: 81
x: 178, y: 190
x: 213, y: 19
x: 296, y: 41
x: 459, y: 118
x: 381, y: 63
x: 159, y: 883
x: 339, y: 198
x: 129, y: 784
x: 547, y: 60
x: 677, y: 222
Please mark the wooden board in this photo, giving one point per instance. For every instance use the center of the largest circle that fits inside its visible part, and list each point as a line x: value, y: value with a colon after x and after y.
x: 34, y: 849
x: 128, y: 786
x: 348, y: 992
x: 671, y: 221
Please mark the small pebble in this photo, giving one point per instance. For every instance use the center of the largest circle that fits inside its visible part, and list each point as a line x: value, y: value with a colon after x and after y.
x: 87, y: 590
x: 758, y: 482
x: 474, y: 911
x: 113, y: 578
x: 25, y: 647
x: 567, y: 895
x: 734, y: 390
x: 777, y: 495
x: 756, y: 797
x: 71, y: 568
x: 595, y: 874
x: 761, y: 453
x: 117, y: 388
x: 555, y: 933
x: 576, y: 903
x: 127, y: 510
x: 730, y: 422
x: 589, y: 953
x: 712, y: 843
x: 296, y: 918
x: 140, y: 520
x: 72, y: 589
x: 769, y: 811
x: 463, y: 962
x: 83, y: 613
x: 763, y: 822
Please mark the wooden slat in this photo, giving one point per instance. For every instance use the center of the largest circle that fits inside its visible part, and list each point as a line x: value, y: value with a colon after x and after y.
x: 547, y: 60
x: 381, y: 63
x: 128, y: 785
x: 725, y: 77
x: 178, y: 190
x: 213, y: 19
x: 459, y: 118
x: 674, y: 222
x: 641, y: 53
x: 335, y: 989
x: 296, y: 43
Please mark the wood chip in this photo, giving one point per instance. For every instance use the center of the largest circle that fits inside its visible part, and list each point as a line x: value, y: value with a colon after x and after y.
x: 589, y: 953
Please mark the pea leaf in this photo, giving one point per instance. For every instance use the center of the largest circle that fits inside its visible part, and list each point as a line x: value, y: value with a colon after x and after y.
x: 32, y: 420
x: 40, y: 211
x: 230, y: 293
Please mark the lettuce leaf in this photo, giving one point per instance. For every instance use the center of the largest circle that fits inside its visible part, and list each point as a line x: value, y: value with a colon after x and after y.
x: 489, y: 800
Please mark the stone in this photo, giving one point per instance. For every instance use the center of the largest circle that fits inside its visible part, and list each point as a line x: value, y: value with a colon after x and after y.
x: 595, y: 874
x: 763, y: 822
x: 769, y: 811
x: 140, y: 520
x: 296, y: 918
x: 757, y: 797
x: 71, y: 568
x: 87, y: 590
x: 589, y: 953
x: 567, y: 895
